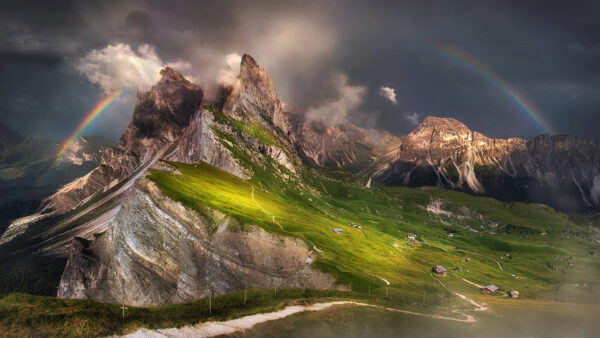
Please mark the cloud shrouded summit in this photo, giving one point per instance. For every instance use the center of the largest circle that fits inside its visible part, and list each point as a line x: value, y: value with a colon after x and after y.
x: 118, y: 66
x: 337, y: 110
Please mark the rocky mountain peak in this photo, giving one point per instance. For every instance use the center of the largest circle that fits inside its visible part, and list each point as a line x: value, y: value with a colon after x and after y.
x: 441, y: 125
x: 169, y: 74
x: 248, y: 64
x: 256, y: 94
x: 162, y: 112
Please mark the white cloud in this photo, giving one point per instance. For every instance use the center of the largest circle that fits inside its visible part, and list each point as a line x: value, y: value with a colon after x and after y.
x: 413, y: 118
x: 228, y: 75
x: 337, y: 110
x: 388, y: 93
x: 118, y: 66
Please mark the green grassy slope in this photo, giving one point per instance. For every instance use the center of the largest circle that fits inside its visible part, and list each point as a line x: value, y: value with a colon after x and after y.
x: 26, y: 315
x: 547, y: 251
x: 310, y: 204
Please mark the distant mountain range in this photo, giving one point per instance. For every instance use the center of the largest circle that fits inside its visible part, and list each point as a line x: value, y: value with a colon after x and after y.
x: 560, y: 171
x: 28, y: 172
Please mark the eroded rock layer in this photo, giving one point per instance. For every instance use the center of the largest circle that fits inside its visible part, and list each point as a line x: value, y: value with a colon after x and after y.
x: 156, y: 252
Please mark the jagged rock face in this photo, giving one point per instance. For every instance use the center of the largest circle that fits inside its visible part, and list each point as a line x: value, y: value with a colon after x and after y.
x: 561, y: 171
x: 86, y: 149
x: 256, y: 93
x: 555, y: 170
x: 158, y: 252
x: 160, y: 117
x: 161, y: 114
x: 198, y: 142
x: 345, y: 146
x: 444, y: 152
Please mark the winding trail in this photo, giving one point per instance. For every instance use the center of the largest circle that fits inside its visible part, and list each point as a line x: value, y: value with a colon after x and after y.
x: 476, y: 253
x: 469, y: 282
x: 263, y: 209
x: 385, y: 280
x: 211, y: 329
x: 478, y: 307
x: 432, y: 245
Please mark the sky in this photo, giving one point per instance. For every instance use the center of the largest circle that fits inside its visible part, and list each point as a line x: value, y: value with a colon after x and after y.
x: 504, y: 68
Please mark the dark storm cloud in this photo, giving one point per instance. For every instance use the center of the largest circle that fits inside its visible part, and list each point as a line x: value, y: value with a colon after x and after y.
x: 548, y: 51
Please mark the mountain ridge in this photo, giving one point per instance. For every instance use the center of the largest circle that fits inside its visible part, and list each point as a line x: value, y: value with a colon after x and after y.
x: 194, y: 193
x: 445, y: 152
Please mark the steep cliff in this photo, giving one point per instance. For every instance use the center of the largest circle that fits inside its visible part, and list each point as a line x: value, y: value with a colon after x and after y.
x: 256, y: 93
x: 561, y: 171
x: 154, y: 248
x: 159, y: 118
x: 156, y: 251
x: 346, y: 146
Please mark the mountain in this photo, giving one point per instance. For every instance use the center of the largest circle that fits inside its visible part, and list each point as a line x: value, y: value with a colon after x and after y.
x: 345, y: 146
x: 28, y: 172
x: 560, y: 171
x: 204, y: 198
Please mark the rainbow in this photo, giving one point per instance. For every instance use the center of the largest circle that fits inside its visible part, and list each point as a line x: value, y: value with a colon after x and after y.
x: 474, y: 65
x: 89, y: 118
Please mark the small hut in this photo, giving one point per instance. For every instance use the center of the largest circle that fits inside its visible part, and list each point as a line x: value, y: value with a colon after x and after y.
x: 338, y: 230
x: 412, y: 236
x: 439, y: 270
x: 410, y: 245
x: 514, y: 294
x: 490, y: 289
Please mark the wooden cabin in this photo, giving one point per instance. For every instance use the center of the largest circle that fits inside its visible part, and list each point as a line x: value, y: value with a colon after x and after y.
x: 439, y: 270
x: 490, y: 289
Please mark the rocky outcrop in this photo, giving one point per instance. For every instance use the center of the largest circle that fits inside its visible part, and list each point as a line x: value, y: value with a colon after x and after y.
x: 160, y: 117
x: 344, y: 146
x: 561, y: 171
x: 444, y: 152
x: 86, y: 149
x: 156, y: 252
x: 198, y: 142
x: 554, y: 170
x: 256, y: 93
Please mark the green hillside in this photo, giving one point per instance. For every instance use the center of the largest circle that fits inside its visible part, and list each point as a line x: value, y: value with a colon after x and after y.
x: 541, y: 247
x: 526, y: 247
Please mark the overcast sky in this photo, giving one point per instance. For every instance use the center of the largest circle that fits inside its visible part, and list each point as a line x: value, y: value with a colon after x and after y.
x: 374, y: 63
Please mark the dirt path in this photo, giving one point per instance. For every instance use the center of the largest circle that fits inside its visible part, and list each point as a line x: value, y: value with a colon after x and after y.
x: 468, y: 281
x: 384, y: 280
x: 211, y: 329
x: 263, y: 209
x: 478, y: 307
x: 478, y: 254
x: 432, y: 245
